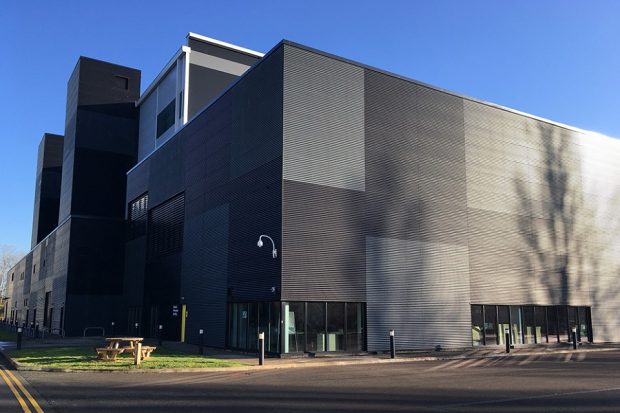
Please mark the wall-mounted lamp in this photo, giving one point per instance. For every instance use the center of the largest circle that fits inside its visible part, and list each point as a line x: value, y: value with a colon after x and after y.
x: 274, y: 251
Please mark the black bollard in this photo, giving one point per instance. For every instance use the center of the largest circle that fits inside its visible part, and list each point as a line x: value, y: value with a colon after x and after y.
x: 159, y: 333
x: 202, y: 341
x: 19, y: 338
x: 507, y: 331
x: 261, y: 349
x: 392, y: 345
x: 574, y: 339
x: 112, y: 329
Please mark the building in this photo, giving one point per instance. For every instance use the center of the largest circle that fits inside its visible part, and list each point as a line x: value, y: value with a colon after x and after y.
x: 392, y: 205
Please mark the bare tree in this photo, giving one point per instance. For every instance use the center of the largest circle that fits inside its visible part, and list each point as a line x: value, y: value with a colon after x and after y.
x: 9, y: 256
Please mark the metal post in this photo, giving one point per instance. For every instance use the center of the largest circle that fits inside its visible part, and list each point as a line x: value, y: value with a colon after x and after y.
x: 112, y: 328
x: 137, y: 326
x: 19, y: 338
x: 202, y: 341
x: 261, y: 349
x: 392, y: 345
x: 159, y: 333
x: 507, y: 331
x: 574, y: 338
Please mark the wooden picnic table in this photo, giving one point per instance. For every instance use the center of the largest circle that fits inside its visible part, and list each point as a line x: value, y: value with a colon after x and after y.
x: 116, y: 346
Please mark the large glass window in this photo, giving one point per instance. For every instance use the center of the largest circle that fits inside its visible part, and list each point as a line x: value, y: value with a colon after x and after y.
x: 503, y: 322
x: 490, y: 324
x: 294, y: 327
x: 315, y: 340
x: 165, y: 118
x: 540, y: 324
x: 528, y: 324
x: 572, y: 321
x: 516, y: 333
x: 583, y: 331
x: 335, y: 326
x: 356, y: 313
x: 477, y: 325
x: 552, y: 324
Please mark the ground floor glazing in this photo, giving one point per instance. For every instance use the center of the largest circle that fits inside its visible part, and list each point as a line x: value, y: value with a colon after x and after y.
x: 529, y: 324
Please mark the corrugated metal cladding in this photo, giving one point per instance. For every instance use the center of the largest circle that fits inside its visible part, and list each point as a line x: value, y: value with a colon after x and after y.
x: 205, y: 263
x: 371, y: 157
x: 323, y: 120
x: 165, y: 227
x: 420, y: 290
x: 416, y: 216
x: 541, y: 201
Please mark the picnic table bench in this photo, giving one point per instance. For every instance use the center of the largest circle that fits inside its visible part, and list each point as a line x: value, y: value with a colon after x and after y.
x: 115, y: 348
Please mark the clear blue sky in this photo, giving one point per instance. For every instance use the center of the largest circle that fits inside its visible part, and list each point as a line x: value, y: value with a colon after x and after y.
x: 559, y: 59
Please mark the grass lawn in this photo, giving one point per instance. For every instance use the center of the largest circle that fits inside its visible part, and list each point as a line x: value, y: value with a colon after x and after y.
x: 85, y: 358
x: 8, y: 335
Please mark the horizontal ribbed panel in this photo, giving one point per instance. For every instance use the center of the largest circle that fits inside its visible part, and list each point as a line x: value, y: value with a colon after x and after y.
x: 323, y: 120
x: 420, y: 290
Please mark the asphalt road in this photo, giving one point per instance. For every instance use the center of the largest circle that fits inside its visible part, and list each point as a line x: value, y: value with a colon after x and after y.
x: 577, y: 382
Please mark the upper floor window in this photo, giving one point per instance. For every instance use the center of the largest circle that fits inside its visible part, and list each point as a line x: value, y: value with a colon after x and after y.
x: 165, y: 119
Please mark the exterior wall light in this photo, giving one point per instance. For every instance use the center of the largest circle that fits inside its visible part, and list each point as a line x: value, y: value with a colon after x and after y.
x: 274, y: 251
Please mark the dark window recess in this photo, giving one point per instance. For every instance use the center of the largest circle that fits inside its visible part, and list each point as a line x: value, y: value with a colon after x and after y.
x: 165, y: 119
x: 138, y: 209
x: 181, y: 105
x: 34, y: 268
x: 121, y: 82
x: 165, y: 223
x: 12, y: 276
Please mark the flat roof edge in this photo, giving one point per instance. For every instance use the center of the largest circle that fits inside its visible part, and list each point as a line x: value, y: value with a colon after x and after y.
x: 230, y: 46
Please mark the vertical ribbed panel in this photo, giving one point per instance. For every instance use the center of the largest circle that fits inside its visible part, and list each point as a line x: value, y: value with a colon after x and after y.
x: 323, y: 120
x: 419, y: 289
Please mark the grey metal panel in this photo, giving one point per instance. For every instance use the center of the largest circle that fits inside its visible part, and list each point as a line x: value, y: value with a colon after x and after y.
x: 257, y: 113
x: 205, y: 85
x: 323, y: 120
x: 217, y: 63
x: 205, y: 273
x: 322, y: 243
x: 148, y: 122
x: 419, y: 289
x: 138, y: 181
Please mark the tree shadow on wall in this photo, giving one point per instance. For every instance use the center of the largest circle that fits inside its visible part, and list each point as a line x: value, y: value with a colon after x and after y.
x: 559, y: 225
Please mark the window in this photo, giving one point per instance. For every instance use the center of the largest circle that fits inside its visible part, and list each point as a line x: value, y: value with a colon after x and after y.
x: 165, y: 119
x: 12, y: 276
x: 34, y: 268
x: 21, y: 276
x: 181, y: 105
x: 121, y: 82
x: 25, y: 302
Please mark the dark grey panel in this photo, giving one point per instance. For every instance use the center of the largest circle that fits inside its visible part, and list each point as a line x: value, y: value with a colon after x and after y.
x: 205, y: 85
x: 323, y: 120
x: 323, y: 251
x: 205, y: 273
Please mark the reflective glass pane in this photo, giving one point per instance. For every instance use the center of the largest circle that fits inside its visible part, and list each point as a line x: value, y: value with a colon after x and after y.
x: 477, y: 325
x: 562, y: 322
x: 528, y: 324
x: 540, y: 324
x: 583, y: 328
x: 233, y: 330
x: 503, y: 322
x: 490, y: 324
x: 294, y: 320
x: 552, y: 323
x: 516, y: 323
x: 274, y: 327
x: 355, y: 327
x: 263, y: 323
x: 316, y: 327
x: 572, y: 321
x: 252, y: 326
x: 335, y: 326
x: 242, y: 325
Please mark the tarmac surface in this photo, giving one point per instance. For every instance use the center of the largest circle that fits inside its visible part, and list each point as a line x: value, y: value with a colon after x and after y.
x: 534, y: 379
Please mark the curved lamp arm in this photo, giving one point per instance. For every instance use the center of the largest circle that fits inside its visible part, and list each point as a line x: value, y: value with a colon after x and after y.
x: 274, y: 251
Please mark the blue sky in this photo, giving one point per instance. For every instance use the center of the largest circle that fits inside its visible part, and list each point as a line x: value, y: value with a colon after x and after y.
x: 555, y: 59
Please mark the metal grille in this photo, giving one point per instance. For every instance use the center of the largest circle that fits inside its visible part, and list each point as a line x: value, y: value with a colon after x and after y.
x: 138, y: 209
x: 166, y: 227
